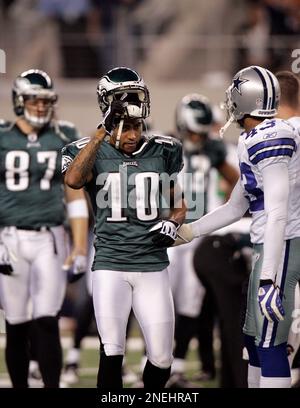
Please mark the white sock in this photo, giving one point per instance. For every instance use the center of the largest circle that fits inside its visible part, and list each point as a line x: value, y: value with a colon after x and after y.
x: 254, y: 374
x: 33, y: 365
x: 73, y: 356
x: 178, y: 365
x: 143, y: 363
x: 275, y: 382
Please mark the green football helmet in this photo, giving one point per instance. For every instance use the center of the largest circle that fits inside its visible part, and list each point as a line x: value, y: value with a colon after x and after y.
x: 194, y: 114
x: 33, y: 84
x: 124, y: 84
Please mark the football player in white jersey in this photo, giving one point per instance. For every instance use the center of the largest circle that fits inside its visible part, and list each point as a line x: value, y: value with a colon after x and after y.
x: 269, y: 187
x: 289, y: 109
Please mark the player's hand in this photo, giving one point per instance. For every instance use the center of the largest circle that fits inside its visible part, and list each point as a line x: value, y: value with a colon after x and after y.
x: 164, y: 233
x: 5, y: 261
x: 75, y: 266
x: 269, y: 301
x: 6, y: 256
x: 184, y: 235
x: 113, y: 115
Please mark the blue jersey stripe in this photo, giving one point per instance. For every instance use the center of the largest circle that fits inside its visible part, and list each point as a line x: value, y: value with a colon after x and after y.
x: 285, y: 141
x: 257, y: 205
x: 272, y: 153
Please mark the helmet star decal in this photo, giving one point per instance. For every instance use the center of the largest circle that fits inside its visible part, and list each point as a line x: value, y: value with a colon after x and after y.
x: 237, y: 83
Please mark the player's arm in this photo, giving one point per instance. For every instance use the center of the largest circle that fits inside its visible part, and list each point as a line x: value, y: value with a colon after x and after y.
x: 77, y: 210
x: 276, y: 196
x: 165, y: 232
x: 230, y: 174
x: 178, y: 205
x: 78, y: 215
x: 80, y: 171
x: 224, y: 215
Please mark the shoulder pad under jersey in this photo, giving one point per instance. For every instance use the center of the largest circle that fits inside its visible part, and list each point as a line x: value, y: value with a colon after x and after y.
x: 5, y: 125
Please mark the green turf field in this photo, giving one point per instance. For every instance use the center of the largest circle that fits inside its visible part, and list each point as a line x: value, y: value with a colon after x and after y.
x: 89, y: 366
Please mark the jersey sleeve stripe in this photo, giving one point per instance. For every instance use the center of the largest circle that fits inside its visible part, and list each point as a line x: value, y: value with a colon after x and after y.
x: 287, y: 141
x: 278, y: 152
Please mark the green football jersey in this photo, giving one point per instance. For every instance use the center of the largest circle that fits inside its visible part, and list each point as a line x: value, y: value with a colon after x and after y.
x: 31, y: 190
x: 198, y: 164
x: 127, y: 195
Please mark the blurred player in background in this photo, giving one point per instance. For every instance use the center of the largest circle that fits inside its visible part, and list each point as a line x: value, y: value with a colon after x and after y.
x: 33, y: 246
x: 124, y: 176
x: 202, y: 154
x: 269, y: 187
x: 289, y: 109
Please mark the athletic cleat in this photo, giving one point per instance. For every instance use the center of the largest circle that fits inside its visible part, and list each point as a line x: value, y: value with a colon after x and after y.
x: 70, y: 374
x: 203, y: 376
x: 178, y: 380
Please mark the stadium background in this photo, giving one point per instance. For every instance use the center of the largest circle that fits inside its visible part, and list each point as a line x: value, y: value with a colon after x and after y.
x: 177, y: 46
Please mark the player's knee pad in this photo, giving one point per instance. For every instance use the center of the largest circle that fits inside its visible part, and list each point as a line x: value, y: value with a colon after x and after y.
x: 249, y: 342
x: 274, y: 361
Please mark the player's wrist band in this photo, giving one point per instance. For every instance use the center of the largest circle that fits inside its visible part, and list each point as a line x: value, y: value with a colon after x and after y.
x: 77, y: 209
x: 177, y: 225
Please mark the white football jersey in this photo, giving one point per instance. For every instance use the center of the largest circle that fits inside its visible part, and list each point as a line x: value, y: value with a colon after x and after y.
x: 295, y: 121
x: 272, y: 141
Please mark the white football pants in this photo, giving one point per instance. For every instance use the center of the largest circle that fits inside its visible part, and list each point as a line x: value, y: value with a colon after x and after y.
x: 149, y: 294
x: 188, y: 292
x: 37, y: 286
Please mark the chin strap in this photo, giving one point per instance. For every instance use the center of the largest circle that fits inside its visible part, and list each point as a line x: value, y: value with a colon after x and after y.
x: 117, y: 144
x: 37, y: 122
x: 226, y: 126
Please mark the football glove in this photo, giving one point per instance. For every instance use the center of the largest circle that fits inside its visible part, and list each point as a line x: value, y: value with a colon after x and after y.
x: 269, y: 301
x: 5, y: 260
x: 184, y: 235
x: 76, y: 269
x: 164, y: 233
x: 113, y: 115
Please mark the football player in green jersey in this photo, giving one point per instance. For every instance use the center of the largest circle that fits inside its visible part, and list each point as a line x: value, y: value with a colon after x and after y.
x: 126, y: 176
x: 32, y: 237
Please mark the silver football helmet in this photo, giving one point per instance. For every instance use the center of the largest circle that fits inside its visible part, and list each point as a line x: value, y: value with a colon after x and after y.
x: 33, y: 84
x: 124, y: 84
x: 254, y: 91
x: 194, y: 114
